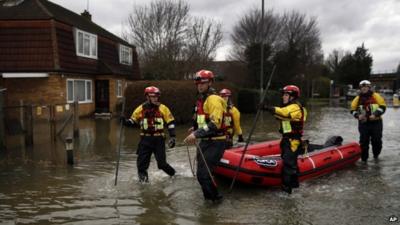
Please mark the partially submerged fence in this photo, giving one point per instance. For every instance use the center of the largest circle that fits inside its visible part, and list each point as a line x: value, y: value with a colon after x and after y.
x: 26, y: 125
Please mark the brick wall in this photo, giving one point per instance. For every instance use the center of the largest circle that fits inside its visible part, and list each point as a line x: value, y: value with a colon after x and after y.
x: 52, y: 90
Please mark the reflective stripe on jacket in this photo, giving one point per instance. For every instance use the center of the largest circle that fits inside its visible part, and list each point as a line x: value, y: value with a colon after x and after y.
x: 152, y: 118
x: 292, y: 119
x: 209, y: 114
x: 368, y: 105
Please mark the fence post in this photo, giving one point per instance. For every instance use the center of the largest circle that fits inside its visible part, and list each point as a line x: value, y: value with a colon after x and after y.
x: 22, y: 113
x: 28, y: 120
x: 2, y: 129
x: 52, y: 123
x: 69, y: 147
x: 76, y: 119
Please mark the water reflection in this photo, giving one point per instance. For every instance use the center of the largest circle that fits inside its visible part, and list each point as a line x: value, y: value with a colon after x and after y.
x: 156, y: 205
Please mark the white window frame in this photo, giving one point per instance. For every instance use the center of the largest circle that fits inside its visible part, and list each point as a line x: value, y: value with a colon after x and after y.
x: 92, y: 44
x: 125, y: 55
x: 88, y: 96
x: 118, y: 88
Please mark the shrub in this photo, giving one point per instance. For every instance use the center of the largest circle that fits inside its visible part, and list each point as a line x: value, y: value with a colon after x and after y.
x: 178, y: 96
x: 248, y: 99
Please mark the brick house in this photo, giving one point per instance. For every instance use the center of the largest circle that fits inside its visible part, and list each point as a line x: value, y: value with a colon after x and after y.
x: 51, y: 55
x: 386, y: 80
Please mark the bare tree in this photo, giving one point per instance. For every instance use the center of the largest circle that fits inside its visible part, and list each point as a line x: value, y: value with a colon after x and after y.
x: 204, y: 36
x: 302, y: 36
x: 333, y: 63
x: 300, y: 55
x: 248, y: 32
x: 170, y: 41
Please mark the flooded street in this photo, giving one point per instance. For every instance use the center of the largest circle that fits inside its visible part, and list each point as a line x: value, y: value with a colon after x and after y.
x: 46, y: 191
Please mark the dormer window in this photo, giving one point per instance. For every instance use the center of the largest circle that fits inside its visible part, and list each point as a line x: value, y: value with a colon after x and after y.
x: 125, y: 55
x: 85, y: 44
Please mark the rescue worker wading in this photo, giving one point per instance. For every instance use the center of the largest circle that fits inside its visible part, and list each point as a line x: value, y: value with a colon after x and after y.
x: 152, y: 116
x: 209, y: 127
x: 292, y: 116
x: 231, y: 119
x: 368, y: 108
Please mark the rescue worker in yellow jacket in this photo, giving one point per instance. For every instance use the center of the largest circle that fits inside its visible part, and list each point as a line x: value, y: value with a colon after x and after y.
x: 368, y: 108
x: 209, y: 128
x: 231, y: 119
x: 292, y: 116
x: 153, y: 117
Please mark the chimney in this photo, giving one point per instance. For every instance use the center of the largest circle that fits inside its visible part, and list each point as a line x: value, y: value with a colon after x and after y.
x: 87, y: 15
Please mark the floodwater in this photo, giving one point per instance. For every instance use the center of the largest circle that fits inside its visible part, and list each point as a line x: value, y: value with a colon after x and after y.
x: 36, y: 187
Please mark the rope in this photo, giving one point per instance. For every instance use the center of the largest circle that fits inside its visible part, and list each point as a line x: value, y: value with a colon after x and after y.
x: 190, y: 161
x: 205, y: 162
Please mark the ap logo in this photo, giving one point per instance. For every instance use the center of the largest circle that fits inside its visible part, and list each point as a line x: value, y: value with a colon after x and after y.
x: 393, y: 219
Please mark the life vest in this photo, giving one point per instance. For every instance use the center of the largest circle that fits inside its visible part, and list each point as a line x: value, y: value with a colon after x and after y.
x: 367, y: 105
x: 294, y: 129
x: 202, y: 118
x: 152, y: 120
x: 228, y: 122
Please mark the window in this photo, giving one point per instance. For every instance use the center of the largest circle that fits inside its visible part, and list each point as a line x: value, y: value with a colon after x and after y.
x: 125, y: 55
x: 80, y: 90
x: 86, y: 44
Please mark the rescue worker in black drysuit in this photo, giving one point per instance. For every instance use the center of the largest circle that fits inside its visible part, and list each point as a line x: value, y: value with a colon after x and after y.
x: 153, y: 117
x: 368, y: 107
x: 292, y: 116
x: 208, y: 127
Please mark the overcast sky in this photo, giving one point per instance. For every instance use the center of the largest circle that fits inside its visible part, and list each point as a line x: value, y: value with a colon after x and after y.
x: 344, y: 24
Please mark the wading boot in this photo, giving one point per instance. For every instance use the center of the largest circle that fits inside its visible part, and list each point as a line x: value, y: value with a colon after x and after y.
x: 287, y: 189
x: 143, y: 178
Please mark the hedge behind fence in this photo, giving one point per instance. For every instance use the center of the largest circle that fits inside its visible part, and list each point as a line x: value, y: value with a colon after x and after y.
x: 178, y: 96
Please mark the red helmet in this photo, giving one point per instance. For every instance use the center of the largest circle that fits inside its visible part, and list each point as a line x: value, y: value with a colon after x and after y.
x: 292, y: 90
x: 203, y: 76
x: 225, y: 93
x: 152, y: 91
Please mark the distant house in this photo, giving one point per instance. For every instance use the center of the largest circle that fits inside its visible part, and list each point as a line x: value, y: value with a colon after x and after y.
x: 386, y: 80
x: 50, y: 55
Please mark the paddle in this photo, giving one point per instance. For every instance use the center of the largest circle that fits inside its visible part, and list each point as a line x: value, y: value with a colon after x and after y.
x: 252, y: 129
x: 119, y: 140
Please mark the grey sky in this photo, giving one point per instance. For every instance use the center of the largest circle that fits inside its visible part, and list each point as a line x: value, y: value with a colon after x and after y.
x: 344, y: 24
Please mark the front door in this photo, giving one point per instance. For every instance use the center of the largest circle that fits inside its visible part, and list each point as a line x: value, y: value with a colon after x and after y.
x: 102, y: 96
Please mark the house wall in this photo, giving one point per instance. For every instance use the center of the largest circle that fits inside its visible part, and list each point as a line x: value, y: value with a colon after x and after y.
x: 42, y: 91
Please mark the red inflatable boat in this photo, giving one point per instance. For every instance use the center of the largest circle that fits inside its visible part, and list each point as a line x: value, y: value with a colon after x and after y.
x: 262, y: 163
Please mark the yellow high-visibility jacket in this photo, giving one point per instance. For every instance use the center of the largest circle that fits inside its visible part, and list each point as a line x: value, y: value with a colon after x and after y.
x: 373, y: 104
x: 155, y: 123
x: 234, y: 126
x: 292, y: 119
x: 209, y: 117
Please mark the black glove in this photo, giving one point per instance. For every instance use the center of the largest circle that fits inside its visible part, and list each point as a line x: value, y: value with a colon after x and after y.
x: 355, y: 114
x: 240, y: 138
x: 122, y: 119
x: 270, y: 109
x: 171, y: 142
x: 129, y: 123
